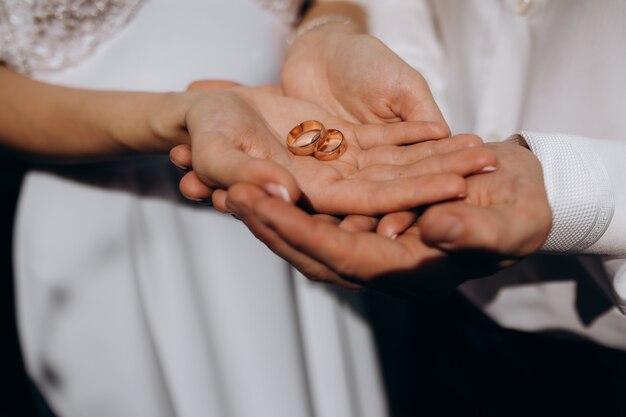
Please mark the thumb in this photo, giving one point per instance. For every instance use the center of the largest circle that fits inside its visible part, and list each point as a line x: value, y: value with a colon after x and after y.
x: 416, y: 101
x: 180, y: 156
x: 207, y: 85
x: 394, y: 224
x: 458, y: 226
x: 222, y: 165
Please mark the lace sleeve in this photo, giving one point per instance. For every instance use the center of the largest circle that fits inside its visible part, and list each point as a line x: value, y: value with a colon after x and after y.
x: 49, y: 35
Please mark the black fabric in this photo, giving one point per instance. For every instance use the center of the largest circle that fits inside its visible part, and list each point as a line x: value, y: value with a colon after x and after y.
x: 19, y: 395
x: 449, y: 359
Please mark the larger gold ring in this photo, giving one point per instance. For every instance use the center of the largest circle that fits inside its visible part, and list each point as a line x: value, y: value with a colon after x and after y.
x: 326, y: 151
x: 309, y: 146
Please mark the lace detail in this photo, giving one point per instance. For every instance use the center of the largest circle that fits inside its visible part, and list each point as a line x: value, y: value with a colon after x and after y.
x: 48, y: 35
x: 287, y: 8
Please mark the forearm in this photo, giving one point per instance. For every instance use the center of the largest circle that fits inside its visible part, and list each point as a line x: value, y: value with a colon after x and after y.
x: 48, y: 120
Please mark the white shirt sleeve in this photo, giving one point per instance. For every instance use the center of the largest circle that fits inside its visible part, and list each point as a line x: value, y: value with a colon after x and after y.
x: 584, y: 180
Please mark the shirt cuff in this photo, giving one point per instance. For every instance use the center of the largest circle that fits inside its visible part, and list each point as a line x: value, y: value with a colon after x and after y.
x: 579, y: 189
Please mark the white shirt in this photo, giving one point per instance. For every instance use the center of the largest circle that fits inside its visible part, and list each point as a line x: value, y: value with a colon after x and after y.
x: 556, y: 68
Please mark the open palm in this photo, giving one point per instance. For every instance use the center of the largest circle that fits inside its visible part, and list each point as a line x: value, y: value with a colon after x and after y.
x: 238, y: 135
x: 358, y: 78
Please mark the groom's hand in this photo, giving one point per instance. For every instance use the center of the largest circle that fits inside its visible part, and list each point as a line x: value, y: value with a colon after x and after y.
x: 506, y: 212
x: 355, y: 76
x: 504, y: 217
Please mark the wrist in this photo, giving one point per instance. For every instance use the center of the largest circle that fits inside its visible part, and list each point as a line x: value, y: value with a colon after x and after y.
x: 519, y: 140
x: 325, y: 17
x: 318, y: 45
x: 324, y: 24
x: 165, y: 125
x: 138, y: 122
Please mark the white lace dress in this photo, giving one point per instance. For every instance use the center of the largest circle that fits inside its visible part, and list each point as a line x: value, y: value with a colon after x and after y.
x: 133, y: 302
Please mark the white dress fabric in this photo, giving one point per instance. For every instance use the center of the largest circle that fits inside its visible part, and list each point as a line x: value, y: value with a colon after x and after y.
x: 133, y: 302
x: 554, y: 69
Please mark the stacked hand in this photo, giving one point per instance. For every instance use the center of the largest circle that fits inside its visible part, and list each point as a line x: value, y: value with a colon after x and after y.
x: 238, y: 136
x: 504, y: 216
x: 455, y: 228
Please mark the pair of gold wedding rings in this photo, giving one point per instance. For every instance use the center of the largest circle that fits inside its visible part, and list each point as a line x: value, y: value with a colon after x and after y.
x: 324, y: 144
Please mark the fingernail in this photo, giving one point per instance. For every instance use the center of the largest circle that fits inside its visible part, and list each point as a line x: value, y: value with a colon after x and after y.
x: 486, y: 169
x: 463, y: 195
x: 181, y: 168
x: 394, y: 236
x: 236, y: 211
x: 451, y: 227
x: 203, y: 201
x: 278, y: 190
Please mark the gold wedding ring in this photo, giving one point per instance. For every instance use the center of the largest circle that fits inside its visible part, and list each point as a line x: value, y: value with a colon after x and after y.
x: 325, y: 145
x: 309, y: 146
x: 332, y: 146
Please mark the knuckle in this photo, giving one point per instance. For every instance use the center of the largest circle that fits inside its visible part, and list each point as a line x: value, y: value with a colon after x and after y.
x: 475, y: 140
x: 440, y: 130
x: 470, y: 139
x: 429, y: 149
x: 491, y: 240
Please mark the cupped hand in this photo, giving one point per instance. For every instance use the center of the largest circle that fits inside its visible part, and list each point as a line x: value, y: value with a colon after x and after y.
x: 504, y: 216
x: 356, y: 77
x: 505, y: 213
x: 348, y: 253
x: 238, y: 135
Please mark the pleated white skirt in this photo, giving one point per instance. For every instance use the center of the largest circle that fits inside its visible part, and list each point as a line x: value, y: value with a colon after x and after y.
x: 133, y: 302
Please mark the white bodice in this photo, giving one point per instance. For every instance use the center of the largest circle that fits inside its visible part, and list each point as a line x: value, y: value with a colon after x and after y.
x: 50, y: 35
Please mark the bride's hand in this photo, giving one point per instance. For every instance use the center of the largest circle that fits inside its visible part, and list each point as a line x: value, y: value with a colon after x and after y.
x: 238, y: 135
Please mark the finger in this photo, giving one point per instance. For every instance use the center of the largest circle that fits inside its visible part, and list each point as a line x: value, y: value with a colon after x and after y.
x: 221, y: 164
x: 508, y: 230
x: 460, y: 226
x: 394, y: 224
x: 219, y: 201
x: 358, y: 223
x: 400, y: 133
x: 402, y: 155
x: 371, y: 198
x: 241, y: 199
x: 308, y: 266
x: 464, y: 162
x: 192, y: 188
x: 328, y: 218
x: 180, y: 156
x: 207, y: 85
x: 358, y: 255
x: 271, y: 89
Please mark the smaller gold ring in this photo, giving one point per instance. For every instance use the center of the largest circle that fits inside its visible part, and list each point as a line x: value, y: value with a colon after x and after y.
x: 309, y: 147
x: 336, y: 151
